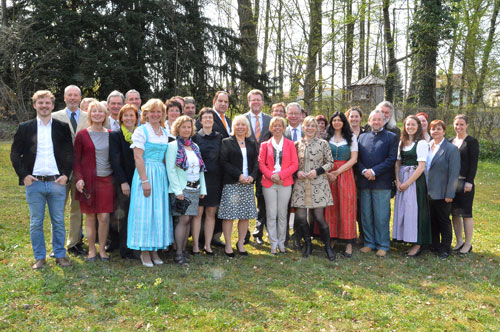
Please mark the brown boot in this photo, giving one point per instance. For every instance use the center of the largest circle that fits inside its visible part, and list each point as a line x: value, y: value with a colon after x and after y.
x: 39, y: 264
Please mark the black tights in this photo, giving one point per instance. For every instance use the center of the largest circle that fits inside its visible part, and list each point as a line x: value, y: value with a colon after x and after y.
x: 303, y: 225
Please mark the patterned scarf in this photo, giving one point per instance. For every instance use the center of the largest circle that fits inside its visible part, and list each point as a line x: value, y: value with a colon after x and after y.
x: 181, y: 158
x: 127, y: 134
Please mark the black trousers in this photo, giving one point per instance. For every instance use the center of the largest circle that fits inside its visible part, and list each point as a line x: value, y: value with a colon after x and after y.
x: 261, y: 208
x: 441, y: 225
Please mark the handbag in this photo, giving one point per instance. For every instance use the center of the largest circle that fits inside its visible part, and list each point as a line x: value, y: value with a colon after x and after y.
x: 180, y: 206
x: 460, y: 186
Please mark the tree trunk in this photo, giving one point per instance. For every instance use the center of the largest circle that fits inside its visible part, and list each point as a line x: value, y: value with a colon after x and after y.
x: 362, y: 12
x: 266, y: 36
x: 248, y: 33
x: 486, y: 55
x: 314, y: 46
x: 448, y: 95
x: 367, y: 42
x: 4, y: 13
x: 280, y: 50
x: 333, y: 55
x: 390, y: 80
x: 349, y: 43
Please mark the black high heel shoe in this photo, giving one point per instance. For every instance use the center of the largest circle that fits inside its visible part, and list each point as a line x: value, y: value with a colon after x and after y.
x: 458, y: 249
x: 242, y: 253
x: 467, y: 252
x: 229, y: 254
x: 418, y: 252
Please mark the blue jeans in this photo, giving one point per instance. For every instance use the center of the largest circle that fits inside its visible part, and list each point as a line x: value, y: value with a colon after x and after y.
x: 375, y: 217
x: 54, y: 194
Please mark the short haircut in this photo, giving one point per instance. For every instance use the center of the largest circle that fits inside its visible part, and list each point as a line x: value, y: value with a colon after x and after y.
x: 322, y: 118
x: 294, y: 104
x: 172, y: 102
x: 435, y: 123
x: 277, y: 119
x: 309, y: 119
x: 95, y: 104
x: 354, y: 109
x: 72, y: 87
x: 462, y: 117
x: 178, y: 123
x: 219, y: 93
x: 116, y: 93
x: 85, y: 101
x: 376, y: 111
x: 125, y: 108
x: 43, y: 94
x: 131, y: 91
x: 282, y: 104
x: 152, y: 104
x: 243, y: 119
x: 206, y: 110
x: 189, y: 100
x: 255, y: 92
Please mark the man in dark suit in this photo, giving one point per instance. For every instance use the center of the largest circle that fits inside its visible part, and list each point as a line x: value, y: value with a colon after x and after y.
x: 294, y: 116
x: 222, y: 123
x: 42, y: 156
x: 259, y: 125
x: 377, y: 155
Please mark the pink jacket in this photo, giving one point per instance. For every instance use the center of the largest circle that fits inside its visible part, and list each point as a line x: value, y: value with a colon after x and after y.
x: 289, y: 163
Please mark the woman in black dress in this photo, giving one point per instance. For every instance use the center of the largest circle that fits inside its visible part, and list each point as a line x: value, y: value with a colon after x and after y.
x: 461, y: 209
x: 209, y: 142
x: 123, y: 165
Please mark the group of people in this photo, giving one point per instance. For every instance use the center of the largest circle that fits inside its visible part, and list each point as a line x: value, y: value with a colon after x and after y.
x: 149, y: 176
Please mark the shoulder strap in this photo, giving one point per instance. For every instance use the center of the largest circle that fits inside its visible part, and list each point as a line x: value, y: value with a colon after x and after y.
x: 145, y: 132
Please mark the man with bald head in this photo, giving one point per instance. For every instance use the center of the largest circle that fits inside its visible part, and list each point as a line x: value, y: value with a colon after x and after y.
x: 77, y: 121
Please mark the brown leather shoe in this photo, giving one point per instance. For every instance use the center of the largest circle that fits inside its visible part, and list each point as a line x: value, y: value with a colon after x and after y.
x: 63, y: 262
x: 381, y: 253
x: 39, y: 264
x: 365, y: 249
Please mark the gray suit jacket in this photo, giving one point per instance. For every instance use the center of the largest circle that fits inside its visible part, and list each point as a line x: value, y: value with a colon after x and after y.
x: 266, y: 119
x: 82, y: 121
x: 443, y: 173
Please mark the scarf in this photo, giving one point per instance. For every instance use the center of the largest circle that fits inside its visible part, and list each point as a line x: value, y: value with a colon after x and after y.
x: 278, y: 147
x: 181, y: 158
x: 126, y: 134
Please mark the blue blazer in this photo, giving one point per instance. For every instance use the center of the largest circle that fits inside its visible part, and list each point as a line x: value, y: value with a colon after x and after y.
x: 177, y: 178
x: 377, y: 151
x: 442, y: 175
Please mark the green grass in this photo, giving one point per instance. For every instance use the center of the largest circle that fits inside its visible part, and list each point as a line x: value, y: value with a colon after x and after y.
x: 256, y: 293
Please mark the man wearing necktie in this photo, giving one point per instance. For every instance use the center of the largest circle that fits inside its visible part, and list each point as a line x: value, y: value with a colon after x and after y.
x: 77, y: 121
x: 115, y: 101
x: 259, y: 123
x: 293, y: 115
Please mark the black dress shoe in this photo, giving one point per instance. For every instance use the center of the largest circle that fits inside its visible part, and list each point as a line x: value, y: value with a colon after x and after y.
x: 457, y: 249
x: 229, y: 254
x: 443, y: 255
x: 242, y: 253
x: 217, y: 243
x: 111, y: 247
x: 258, y: 240
x: 465, y: 253
x: 346, y: 254
x: 208, y: 253
x: 194, y: 253
x: 77, y: 250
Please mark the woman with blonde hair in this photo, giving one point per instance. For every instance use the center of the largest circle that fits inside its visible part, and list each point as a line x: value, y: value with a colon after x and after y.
x: 149, y: 221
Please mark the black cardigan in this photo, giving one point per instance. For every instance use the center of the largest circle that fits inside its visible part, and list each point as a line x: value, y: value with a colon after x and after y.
x: 23, y: 151
x: 232, y: 160
x: 469, y: 156
x: 121, y: 157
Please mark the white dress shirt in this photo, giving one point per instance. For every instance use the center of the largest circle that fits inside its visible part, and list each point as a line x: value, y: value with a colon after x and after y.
x: 432, y: 153
x: 253, y: 118
x: 114, y: 125
x: 299, y: 132
x: 45, y: 161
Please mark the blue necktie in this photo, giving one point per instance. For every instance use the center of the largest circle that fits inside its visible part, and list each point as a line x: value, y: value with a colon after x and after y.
x: 294, y: 138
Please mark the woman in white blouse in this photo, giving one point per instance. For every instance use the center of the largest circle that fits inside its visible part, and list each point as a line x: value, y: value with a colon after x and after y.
x: 411, y: 209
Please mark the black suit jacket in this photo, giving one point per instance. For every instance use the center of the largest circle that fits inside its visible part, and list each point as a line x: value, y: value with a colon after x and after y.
x: 469, y: 157
x: 121, y: 157
x: 218, y: 126
x: 232, y: 160
x: 23, y: 151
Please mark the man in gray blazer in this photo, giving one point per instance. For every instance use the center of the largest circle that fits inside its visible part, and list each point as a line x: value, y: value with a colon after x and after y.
x: 441, y: 172
x: 77, y: 121
x: 294, y: 116
x: 259, y: 125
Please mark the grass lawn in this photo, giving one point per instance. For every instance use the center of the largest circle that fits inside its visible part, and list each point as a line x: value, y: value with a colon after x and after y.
x: 256, y: 293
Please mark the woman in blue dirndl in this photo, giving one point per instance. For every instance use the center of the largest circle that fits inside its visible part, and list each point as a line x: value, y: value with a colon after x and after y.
x: 149, y: 221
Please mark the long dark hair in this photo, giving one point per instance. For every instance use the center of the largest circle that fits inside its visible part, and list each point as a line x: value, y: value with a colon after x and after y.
x: 346, y: 128
x: 419, y: 134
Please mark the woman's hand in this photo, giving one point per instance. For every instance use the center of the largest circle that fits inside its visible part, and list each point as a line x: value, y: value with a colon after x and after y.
x: 242, y: 179
x: 79, y: 185
x: 146, y: 189
x: 125, y: 189
x: 331, y: 177
x: 448, y: 200
x: 467, y: 187
x: 312, y: 174
x: 180, y: 197
x: 301, y: 175
x: 202, y: 196
x: 249, y: 180
x: 275, y: 178
x: 403, y: 187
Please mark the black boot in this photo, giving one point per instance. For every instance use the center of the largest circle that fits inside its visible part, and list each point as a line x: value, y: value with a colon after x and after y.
x: 329, y: 252
x: 308, y: 248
